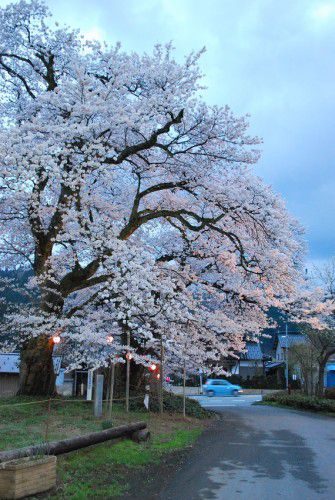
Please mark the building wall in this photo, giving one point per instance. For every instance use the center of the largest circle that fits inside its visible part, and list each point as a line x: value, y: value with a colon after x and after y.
x: 9, y: 384
x: 250, y: 368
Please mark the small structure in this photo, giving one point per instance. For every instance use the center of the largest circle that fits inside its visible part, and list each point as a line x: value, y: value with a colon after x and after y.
x: 10, y: 370
x: 9, y: 373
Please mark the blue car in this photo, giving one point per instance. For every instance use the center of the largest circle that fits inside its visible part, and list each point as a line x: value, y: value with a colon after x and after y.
x: 218, y: 387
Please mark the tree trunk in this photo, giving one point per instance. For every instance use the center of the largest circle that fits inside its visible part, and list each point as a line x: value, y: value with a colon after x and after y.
x: 37, y: 377
x: 320, y: 381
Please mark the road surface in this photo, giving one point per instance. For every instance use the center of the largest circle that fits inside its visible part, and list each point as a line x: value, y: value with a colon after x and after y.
x: 218, y: 403
x: 259, y: 453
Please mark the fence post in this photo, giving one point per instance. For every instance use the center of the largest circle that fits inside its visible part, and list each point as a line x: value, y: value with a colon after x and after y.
x: 111, y: 390
x: 99, y: 384
x: 161, y: 373
x: 184, y: 390
x: 46, y: 437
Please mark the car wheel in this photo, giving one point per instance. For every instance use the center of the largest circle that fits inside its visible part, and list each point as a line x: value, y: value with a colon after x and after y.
x: 235, y: 392
x: 210, y: 393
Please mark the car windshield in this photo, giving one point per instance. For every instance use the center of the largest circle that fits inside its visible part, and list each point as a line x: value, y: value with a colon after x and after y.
x: 218, y: 382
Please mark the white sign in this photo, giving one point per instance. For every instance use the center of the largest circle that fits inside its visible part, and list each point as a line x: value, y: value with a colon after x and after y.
x: 89, y: 385
x: 146, y: 401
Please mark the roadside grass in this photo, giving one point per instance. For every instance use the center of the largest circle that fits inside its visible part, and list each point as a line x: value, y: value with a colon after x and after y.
x: 107, y: 468
x: 101, y: 471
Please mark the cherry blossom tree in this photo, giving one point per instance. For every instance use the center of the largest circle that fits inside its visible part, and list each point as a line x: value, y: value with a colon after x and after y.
x: 132, y: 201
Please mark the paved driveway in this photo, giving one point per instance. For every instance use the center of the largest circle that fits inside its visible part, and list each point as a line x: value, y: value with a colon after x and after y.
x: 260, y: 453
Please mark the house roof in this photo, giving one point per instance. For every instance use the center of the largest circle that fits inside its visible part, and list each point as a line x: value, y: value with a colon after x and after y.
x: 290, y: 340
x: 253, y: 351
x: 273, y: 364
x: 10, y: 362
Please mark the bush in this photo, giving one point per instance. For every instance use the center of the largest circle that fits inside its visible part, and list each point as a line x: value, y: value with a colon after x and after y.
x: 300, y: 401
x: 330, y: 393
x: 173, y: 404
x: 256, y: 382
x: 107, y: 424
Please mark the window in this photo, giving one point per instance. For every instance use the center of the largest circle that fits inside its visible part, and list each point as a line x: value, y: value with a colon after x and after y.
x: 219, y: 382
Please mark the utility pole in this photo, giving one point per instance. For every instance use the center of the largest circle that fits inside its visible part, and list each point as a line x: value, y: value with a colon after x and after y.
x: 286, y: 367
x: 161, y: 372
x: 184, y: 384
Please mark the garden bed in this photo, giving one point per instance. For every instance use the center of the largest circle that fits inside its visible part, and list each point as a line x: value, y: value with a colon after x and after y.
x: 300, y: 401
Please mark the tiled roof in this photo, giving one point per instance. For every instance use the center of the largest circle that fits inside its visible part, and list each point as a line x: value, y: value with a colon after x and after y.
x: 254, y: 351
x: 290, y: 339
x: 9, y: 362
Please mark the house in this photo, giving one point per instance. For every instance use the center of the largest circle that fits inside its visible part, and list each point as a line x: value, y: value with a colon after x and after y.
x: 9, y: 374
x: 282, y: 342
x: 280, y: 349
x: 251, y: 361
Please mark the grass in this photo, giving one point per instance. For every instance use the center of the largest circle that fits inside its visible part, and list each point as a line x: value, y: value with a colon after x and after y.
x: 103, y: 471
x: 105, y: 467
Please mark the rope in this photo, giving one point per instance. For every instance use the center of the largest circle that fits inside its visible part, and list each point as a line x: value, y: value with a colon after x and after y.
x: 65, y: 401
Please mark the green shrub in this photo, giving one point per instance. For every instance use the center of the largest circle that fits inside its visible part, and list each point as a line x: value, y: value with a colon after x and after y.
x: 257, y: 382
x: 330, y: 393
x: 174, y: 404
x: 107, y: 424
x: 298, y: 400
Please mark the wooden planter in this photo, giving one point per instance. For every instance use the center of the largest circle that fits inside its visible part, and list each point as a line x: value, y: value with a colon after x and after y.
x: 27, y: 476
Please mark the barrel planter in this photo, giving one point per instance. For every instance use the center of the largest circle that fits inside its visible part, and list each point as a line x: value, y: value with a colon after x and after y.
x: 27, y: 476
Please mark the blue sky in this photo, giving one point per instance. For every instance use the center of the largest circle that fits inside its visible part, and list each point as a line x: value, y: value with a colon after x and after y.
x: 273, y: 59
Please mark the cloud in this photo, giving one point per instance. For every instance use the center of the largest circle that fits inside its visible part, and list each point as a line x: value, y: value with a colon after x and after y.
x: 323, y: 11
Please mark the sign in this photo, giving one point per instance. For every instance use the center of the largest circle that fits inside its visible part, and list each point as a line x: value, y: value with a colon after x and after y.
x: 57, y: 361
x: 146, y: 401
x: 89, y: 385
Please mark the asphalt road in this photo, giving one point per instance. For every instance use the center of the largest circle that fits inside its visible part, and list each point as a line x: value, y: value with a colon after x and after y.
x: 260, y: 452
x: 218, y: 403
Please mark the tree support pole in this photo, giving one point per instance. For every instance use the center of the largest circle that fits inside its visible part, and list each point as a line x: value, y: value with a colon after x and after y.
x: 184, y: 387
x: 128, y: 371
x: 161, y: 399
x: 111, y: 390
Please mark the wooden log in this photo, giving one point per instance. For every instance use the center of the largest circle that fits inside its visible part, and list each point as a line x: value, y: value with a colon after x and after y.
x: 141, y: 435
x: 71, y: 444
